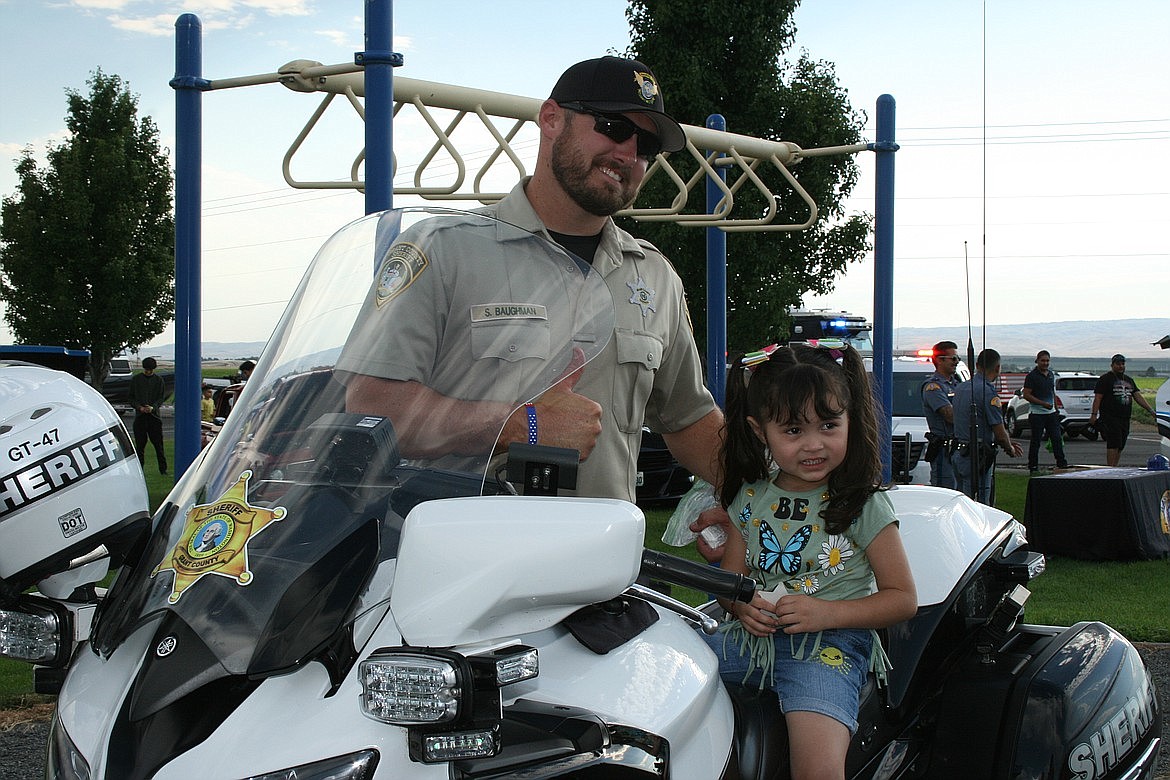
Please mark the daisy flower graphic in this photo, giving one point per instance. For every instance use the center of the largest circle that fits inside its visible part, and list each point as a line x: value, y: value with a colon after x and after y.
x: 808, y: 584
x: 835, y: 551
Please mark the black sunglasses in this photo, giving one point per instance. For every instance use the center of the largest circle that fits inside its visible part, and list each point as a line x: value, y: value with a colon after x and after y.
x: 618, y: 129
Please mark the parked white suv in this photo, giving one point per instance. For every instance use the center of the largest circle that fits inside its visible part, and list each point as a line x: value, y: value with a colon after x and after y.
x: 1074, y: 402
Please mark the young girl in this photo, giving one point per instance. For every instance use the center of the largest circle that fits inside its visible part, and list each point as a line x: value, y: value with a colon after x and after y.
x: 801, y: 484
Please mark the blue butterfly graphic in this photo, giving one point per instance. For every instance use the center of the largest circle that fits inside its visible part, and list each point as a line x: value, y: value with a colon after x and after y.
x: 745, y: 514
x: 788, y: 556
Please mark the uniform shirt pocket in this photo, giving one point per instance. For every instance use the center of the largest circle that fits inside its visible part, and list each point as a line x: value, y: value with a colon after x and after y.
x: 638, y: 357
x: 510, y: 340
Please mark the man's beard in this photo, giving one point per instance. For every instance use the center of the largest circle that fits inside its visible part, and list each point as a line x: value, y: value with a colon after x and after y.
x: 572, y: 171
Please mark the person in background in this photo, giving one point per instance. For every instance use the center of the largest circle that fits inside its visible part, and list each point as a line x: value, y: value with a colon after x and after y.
x: 938, y: 392
x: 602, y: 126
x: 206, y: 405
x: 1113, y: 399
x: 977, y: 400
x: 246, y: 369
x: 147, y: 393
x: 815, y: 529
x: 1043, y: 418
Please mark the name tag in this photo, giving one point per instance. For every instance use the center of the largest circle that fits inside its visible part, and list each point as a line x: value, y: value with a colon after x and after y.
x: 486, y: 312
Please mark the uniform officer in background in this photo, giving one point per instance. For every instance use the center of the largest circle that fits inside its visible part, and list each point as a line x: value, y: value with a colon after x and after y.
x: 978, y: 408
x: 938, y: 392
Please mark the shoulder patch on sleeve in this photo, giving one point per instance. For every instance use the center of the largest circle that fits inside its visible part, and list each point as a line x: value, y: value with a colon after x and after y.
x: 930, y: 386
x: 404, y: 262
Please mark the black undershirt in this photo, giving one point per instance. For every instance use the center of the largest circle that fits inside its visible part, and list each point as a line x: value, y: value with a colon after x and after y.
x: 584, y: 247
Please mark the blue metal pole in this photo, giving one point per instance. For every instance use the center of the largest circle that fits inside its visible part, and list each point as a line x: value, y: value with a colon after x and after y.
x: 379, y: 61
x: 189, y: 85
x: 716, y: 283
x: 883, y: 280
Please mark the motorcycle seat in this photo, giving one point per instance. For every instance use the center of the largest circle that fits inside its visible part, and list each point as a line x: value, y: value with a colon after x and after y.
x: 761, y: 737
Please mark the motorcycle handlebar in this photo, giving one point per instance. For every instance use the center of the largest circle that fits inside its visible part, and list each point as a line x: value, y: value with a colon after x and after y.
x: 677, y: 571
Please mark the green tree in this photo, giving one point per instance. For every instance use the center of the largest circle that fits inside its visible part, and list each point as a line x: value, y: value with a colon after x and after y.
x: 87, y: 241
x: 728, y: 58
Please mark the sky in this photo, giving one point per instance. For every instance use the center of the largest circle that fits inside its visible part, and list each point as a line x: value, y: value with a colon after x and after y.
x: 1034, y: 159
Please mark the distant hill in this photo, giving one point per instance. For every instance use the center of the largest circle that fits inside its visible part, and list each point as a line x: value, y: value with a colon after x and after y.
x: 212, y: 350
x: 1075, y: 338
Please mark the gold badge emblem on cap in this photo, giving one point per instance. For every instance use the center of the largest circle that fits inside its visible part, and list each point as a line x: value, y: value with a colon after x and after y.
x: 647, y: 87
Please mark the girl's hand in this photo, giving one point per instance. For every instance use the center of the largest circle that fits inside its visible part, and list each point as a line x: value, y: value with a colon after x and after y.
x: 757, y: 617
x: 801, y: 614
x: 708, y: 517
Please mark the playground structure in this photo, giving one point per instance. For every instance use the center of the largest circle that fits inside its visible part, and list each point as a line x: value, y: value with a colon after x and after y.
x: 460, y: 118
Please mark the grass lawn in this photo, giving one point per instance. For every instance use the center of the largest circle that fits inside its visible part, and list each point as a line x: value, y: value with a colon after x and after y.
x: 1149, y: 386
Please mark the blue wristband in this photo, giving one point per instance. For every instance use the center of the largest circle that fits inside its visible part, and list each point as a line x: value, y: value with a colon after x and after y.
x: 531, y: 422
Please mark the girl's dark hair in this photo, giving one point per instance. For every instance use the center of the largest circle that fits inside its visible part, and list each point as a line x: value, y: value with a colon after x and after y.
x: 781, y: 388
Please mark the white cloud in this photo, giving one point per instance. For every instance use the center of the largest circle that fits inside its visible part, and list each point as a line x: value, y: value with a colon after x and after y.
x: 280, y: 7
x: 158, y: 25
x: 337, y: 37
x: 148, y: 17
x: 103, y: 5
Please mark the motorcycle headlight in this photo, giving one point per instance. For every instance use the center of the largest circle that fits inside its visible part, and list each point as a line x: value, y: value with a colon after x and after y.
x: 35, y: 630
x: 450, y: 702
x: 408, y: 689
x: 355, y: 766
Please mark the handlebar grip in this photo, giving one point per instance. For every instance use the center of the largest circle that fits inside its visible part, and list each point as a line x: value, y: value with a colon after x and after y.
x: 679, y: 571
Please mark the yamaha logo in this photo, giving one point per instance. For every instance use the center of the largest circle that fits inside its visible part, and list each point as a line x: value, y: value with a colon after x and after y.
x: 166, y: 646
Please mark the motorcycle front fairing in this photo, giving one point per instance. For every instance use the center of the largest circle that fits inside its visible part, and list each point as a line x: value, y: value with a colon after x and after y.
x: 311, y: 542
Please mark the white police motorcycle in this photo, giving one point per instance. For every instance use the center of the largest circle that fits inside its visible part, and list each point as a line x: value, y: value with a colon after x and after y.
x: 322, y: 597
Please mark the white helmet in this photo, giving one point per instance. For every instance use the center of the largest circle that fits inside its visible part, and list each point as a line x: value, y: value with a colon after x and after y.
x: 69, y: 479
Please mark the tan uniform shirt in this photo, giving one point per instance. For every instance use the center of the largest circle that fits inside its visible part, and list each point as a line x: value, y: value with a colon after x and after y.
x: 432, y: 326
x: 649, y: 374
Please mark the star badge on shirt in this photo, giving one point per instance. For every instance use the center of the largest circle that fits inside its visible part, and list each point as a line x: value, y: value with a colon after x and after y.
x: 642, y: 297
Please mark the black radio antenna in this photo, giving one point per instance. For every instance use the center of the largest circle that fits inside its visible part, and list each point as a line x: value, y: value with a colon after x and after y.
x: 972, y: 428
x: 975, y: 450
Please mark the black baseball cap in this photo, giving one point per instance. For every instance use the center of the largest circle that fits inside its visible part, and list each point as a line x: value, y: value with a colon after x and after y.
x: 616, y: 85
x: 1118, y: 358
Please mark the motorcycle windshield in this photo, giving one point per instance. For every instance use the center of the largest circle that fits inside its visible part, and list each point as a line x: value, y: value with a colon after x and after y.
x: 413, y: 337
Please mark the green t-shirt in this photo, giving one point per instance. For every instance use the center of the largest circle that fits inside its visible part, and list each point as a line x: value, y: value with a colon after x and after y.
x: 787, y: 541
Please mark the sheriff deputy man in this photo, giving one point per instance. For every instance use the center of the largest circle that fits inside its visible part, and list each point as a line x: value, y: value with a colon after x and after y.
x: 938, y: 393
x: 979, y: 397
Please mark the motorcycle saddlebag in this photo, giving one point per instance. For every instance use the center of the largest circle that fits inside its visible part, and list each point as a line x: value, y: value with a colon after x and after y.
x: 1056, y: 703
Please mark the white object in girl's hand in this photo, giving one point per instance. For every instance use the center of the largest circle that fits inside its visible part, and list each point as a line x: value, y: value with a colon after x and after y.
x: 773, y: 595
x: 714, y: 536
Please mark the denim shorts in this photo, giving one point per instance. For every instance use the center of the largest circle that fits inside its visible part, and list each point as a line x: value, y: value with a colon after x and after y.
x: 827, y: 681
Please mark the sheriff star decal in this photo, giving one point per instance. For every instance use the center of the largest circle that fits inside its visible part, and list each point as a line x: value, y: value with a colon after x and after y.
x: 642, y: 297
x: 215, y: 539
